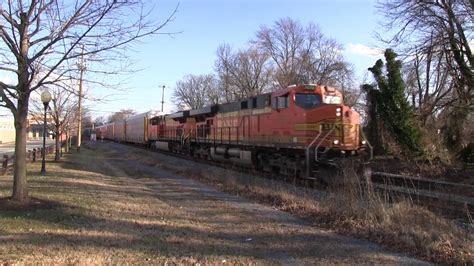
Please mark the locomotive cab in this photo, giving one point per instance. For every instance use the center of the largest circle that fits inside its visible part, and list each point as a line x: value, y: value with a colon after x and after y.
x: 324, y: 126
x: 314, y: 96
x: 321, y: 120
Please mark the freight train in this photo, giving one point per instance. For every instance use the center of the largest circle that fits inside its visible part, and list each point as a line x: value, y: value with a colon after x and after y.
x: 296, y: 131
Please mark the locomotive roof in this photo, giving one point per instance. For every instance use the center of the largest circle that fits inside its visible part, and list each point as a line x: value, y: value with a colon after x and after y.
x: 309, y: 87
x: 229, y: 107
x: 180, y: 114
x: 255, y: 102
x: 282, y: 91
x: 206, y: 110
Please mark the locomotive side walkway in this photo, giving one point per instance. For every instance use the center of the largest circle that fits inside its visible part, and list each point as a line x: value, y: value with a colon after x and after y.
x: 105, y: 207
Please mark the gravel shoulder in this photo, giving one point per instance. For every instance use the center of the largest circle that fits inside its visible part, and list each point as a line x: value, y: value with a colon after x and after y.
x: 126, y: 210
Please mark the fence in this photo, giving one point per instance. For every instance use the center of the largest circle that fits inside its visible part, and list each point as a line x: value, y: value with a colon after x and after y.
x: 32, y: 156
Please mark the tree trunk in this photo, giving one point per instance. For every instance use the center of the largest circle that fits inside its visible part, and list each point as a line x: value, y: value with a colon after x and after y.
x: 455, y: 135
x: 57, y: 156
x: 20, y: 187
x: 66, y: 149
x: 373, y: 127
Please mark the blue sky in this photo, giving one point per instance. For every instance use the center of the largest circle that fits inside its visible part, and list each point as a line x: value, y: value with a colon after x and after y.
x: 206, y: 24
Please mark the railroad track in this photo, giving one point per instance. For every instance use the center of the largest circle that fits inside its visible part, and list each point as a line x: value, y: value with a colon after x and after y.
x: 421, y: 183
x: 454, y: 200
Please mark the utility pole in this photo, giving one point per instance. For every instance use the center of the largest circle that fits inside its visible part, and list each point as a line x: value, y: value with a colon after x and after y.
x: 162, y: 98
x: 82, y: 68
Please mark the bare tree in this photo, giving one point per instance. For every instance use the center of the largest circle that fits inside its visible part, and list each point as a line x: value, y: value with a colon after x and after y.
x: 343, y: 79
x: 100, y: 121
x: 244, y: 74
x: 196, y: 91
x: 429, y: 82
x: 63, y: 107
x: 87, y: 121
x: 439, y: 27
x: 300, y: 54
x: 40, y: 41
x: 225, y: 83
x: 285, y: 43
x: 121, y: 115
x: 326, y: 64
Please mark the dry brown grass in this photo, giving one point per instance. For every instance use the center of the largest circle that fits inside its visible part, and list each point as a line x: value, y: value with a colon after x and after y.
x: 400, y: 225
x: 351, y: 209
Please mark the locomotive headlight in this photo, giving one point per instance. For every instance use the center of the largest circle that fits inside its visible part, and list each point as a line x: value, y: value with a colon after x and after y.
x: 338, y: 111
x: 364, y: 142
x: 335, y: 142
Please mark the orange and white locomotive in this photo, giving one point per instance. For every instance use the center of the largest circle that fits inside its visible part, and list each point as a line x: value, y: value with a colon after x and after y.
x: 289, y: 131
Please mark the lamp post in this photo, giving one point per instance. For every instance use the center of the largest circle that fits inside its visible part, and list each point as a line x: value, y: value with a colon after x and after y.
x: 45, y: 98
x: 162, y: 98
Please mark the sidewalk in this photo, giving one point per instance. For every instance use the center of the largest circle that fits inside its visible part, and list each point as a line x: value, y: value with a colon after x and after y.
x: 9, y: 148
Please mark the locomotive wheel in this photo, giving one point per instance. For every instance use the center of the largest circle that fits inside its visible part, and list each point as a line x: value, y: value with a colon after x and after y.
x: 349, y: 172
x: 327, y: 175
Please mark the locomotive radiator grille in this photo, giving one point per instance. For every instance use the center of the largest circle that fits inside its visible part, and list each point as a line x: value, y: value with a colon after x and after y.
x: 351, y: 136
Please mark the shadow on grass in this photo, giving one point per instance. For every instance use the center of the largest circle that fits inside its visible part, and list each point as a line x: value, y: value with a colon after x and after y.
x: 54, y: 213
x: 176, y: 241
x: 79, y: 228
x: 7, y: 204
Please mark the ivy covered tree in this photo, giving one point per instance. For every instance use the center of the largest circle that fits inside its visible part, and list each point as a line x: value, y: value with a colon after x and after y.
x: 374, y: 123
x: 391, y: 105
x: 438, y: 34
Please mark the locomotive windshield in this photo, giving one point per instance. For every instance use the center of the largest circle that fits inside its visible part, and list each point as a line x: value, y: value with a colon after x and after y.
x: 307, y: 100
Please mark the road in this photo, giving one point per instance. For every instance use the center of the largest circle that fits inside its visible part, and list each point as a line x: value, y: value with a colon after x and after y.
x: 9, y: 148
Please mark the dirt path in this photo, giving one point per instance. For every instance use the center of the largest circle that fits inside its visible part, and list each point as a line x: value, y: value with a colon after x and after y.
x: 229, y: 225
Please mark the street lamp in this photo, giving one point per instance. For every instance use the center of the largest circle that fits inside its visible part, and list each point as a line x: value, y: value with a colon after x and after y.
x: 162, y: 98
x: 45, y: 98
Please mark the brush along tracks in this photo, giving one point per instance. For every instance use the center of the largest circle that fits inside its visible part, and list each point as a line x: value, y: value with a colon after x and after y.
x: 452, y: 199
